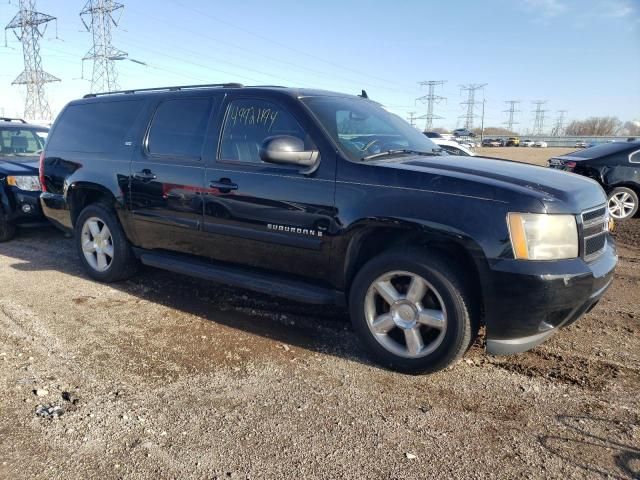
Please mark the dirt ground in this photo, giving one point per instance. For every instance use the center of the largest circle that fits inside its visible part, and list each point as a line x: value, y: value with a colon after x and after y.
x: 165, y: 376
x: 538, y: 156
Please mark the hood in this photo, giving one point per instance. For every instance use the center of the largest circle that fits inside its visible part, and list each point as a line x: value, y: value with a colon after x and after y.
x: 559, y: 192
x: 19, y: 165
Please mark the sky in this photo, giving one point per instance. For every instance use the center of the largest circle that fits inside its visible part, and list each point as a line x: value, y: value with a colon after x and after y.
x: 582, y: 56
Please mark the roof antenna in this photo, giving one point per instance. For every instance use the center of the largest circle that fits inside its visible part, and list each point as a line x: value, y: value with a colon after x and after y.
x: 364, y: 94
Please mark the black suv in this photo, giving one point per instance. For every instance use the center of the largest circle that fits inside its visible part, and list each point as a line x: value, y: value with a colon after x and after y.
x: 615, y: 166
x: 328, y: 198
x: 20, y: 147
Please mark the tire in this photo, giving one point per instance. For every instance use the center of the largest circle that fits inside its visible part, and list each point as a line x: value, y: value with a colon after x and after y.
x: 452, y: 317
x: 119, y: 261
x: 7, y: 231
x: 622, y: 203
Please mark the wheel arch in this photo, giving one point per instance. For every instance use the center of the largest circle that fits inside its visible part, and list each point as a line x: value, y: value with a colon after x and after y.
x: 81, y: 194
x: 459, y: 249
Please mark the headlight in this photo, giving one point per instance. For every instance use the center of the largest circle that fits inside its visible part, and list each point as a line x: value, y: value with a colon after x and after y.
x: 30, y: 183
x: 537, y: 236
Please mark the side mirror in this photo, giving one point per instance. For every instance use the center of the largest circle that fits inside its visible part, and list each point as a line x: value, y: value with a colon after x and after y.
x: 288, y: 150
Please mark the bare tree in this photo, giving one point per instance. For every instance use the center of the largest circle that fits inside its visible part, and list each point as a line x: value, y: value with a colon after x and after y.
x: 495, y: 131
x: 441, y: 130
x: 596, y: 126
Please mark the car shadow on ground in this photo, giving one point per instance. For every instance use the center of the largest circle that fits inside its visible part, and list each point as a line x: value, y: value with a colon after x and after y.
x: 323, y: 328
x: 590, y: 444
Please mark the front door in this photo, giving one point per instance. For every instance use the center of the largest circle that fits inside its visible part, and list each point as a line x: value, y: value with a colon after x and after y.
x: 167, y: 175
x: 264, y: 215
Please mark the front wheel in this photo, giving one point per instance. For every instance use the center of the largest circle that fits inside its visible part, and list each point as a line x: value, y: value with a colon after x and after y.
x: 7, y: 231
x: 102, y: 246
x: 412, y: 311
x: 623, y: 203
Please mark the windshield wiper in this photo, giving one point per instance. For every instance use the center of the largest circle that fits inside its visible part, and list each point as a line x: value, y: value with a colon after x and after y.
x: 387, y: 153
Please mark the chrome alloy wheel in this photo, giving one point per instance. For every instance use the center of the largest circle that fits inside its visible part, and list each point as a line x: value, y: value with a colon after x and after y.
x: 97, y: 244
x: 405, y: 314
x: 621, y: 205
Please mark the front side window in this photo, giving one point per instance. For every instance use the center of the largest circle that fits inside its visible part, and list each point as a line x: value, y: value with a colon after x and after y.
x: 20, y: 142
x: 249, y: 122
x: 178, y: 127
x: 364, y: 129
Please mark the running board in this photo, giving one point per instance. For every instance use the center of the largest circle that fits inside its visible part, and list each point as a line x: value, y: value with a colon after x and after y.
x: 269, y: 284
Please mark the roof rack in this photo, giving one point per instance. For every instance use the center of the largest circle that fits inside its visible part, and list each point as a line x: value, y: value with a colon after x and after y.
x: 167, y: 89
x: 9, y: 119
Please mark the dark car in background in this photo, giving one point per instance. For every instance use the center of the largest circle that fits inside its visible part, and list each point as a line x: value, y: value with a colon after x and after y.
x: 20, y: 146
x: 432, y: 135
x: 615, y: 166
x: 492, y: 142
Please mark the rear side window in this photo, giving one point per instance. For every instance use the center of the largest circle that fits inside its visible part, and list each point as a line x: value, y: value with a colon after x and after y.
x: 178, y: 127
x: 249, y: 122
x: 95, y: 127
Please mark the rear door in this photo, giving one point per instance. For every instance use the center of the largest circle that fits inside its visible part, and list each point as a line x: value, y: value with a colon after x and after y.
x: 275, y: 217
x: 167, y: 174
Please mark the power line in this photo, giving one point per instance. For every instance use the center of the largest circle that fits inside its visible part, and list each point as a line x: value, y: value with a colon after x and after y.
x: 559, y: 127
x: 29, y: 26
x: 430, y: 99
x: 511, y: 111
x: 98, y: 18
x: 283, y: 45
x: 538, y: 123
x: 470, y: 102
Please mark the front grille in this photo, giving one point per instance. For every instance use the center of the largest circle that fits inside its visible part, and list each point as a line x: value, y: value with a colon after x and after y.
x: 589, y: 215
x: 594, y: 232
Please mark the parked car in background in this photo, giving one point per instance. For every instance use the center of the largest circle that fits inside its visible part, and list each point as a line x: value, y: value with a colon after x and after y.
x: 453, y: 148
x: 513, y: 142
x: 492, y: 142
x: 581, y: 144
x: 615, y: 166
x: 540, y: 144
x: 432, y: 134
x: 20, y: 146
x: 527, y: 143
x: 463, y: 132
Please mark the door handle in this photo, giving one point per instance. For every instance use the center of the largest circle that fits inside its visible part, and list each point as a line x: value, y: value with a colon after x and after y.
x: 224, y: 185
x: 145, y: 175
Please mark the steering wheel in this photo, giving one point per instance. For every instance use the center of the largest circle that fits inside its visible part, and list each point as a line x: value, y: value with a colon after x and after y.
x: 368, y: 146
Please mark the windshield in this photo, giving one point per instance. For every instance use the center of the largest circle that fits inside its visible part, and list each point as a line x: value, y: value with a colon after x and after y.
x: 363, y: 130
x: 21, y: 142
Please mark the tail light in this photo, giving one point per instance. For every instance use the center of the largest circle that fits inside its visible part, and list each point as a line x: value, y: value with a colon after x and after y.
x: 570, y: 165
x: 43, y: 185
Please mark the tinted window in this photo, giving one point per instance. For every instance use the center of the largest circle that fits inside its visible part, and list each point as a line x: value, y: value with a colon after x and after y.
x: 249, y: 122
x: 179, y: 126
x: 95, y: 127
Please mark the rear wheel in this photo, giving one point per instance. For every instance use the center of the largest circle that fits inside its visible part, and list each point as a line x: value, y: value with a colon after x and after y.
x: 102, y: 245
x: 412, y: 311
x: 623, y: 203
x: 7, y: 231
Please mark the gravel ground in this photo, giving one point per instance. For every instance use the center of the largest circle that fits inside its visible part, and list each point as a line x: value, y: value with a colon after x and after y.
x: 164, y: 376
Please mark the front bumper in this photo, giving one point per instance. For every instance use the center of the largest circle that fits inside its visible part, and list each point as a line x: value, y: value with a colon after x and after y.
x: 22, y: 207
x: 527, y: 302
